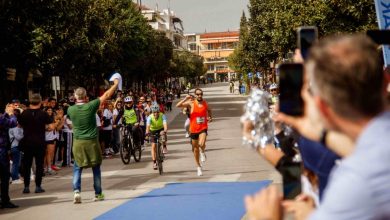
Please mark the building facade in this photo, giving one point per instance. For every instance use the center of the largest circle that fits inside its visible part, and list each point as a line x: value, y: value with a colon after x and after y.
x: 167, y: 22
x: 215, y: 48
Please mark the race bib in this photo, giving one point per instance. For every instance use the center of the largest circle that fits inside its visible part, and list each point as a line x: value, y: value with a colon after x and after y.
x: 200, y: 120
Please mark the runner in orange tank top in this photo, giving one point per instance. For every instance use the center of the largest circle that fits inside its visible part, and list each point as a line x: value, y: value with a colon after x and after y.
x: 199, y: 117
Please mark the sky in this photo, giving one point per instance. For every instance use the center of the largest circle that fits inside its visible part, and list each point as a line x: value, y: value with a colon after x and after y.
x: 199, y: 16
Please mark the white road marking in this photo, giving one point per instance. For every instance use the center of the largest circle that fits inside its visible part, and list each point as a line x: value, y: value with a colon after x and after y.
x: 225, y: 178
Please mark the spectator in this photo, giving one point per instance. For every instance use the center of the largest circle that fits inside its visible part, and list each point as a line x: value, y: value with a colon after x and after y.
x: 86, y: 149
x: 34, y: 122
x: 346, y: 83
x: 107, y: 129
x: 15, y: 135
x: 117, y: 121
x: 51, y: 137
x: 7, y: 121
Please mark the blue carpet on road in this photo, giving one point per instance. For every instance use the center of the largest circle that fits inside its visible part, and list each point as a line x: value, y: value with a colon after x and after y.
x: 189, y: 201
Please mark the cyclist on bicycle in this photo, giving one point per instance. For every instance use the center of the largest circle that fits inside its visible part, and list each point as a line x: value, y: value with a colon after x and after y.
x: 131, y: 119
x: 156, y: 123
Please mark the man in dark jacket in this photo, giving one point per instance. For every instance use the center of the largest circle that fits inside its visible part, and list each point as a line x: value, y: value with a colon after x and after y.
x: 7, y: 120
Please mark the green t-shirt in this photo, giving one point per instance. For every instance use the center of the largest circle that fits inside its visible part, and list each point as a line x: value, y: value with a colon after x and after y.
x: 83, y: 119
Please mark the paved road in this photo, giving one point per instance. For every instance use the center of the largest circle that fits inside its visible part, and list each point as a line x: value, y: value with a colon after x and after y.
x: 227, y: 161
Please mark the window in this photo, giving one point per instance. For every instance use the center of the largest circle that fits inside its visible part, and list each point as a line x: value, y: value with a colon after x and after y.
x: 192, y: 47
x: 210, y: 46
x: 224, y: 45
x: 191, y: 38
x: 210, y: 67
x: 222, y: 68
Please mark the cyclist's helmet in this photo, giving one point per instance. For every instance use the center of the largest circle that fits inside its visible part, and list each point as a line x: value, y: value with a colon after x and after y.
x: 128, y: 99
x: 155, y: 108
x: 273, y: 86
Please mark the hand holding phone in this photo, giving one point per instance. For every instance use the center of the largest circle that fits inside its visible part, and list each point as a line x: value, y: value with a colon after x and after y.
x: 291, y: 82
x: 381, y: 37
x: 306, y: 36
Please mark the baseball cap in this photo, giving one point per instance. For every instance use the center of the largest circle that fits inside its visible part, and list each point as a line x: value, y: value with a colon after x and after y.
x: 319, y: 159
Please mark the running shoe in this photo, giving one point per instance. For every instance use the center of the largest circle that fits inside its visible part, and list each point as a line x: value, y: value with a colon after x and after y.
x: 199, y: 169
x: 18, y: 181
x: 154, y: 166
x: 203, y: 157
x: 76, y: 198
x: 99, y: 197
x: 55, y: 168
x: 51, y: 172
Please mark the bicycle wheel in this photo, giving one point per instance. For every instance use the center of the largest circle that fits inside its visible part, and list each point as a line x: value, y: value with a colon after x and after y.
x: 124, y: 151
x: 159, y: 158
x: 136, y: 151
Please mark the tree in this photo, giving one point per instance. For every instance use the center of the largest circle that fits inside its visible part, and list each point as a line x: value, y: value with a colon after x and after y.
x: 186, y: 64
x: 272, y: 26
x: 75, y: 39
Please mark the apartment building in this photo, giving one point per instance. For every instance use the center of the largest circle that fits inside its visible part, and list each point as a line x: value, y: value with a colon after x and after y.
x: 166, y: 21
x: 215, y: 48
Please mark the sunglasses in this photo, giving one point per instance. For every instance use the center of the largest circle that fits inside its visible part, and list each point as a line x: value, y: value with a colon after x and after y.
x: 273, y: 90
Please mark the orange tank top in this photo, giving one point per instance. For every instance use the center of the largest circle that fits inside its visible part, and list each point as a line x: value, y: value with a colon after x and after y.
x: 198, y: 117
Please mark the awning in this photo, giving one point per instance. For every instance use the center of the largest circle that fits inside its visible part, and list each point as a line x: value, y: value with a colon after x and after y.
x: 219, y: 41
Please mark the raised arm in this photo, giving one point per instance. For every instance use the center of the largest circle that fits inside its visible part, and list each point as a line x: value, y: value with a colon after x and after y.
x: 109, y: 92
x: 184, y: 102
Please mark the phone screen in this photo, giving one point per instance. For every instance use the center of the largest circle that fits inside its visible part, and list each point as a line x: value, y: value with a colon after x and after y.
x: 306, y: 37
x: 379, y: 36
x: 291, y: 81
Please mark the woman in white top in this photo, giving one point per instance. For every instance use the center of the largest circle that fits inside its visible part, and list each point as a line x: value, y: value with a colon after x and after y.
x: 107, y: 129
x: 50, y: 138
x: 68, y: 142
x: 117, y: 121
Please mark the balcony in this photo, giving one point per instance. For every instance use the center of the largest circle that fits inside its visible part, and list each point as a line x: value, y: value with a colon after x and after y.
x: 222, y: 70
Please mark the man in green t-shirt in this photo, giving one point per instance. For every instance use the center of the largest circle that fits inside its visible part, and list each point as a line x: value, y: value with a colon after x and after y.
x: 86, y: 149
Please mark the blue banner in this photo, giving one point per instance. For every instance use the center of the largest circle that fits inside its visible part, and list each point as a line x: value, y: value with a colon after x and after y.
x: 383, y: 14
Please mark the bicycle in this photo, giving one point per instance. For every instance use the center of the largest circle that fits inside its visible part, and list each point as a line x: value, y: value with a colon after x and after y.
x: 159, y: 152
x: 128, y: 147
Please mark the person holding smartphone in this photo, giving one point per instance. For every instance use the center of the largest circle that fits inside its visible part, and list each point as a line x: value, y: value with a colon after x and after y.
x: 345, y: 76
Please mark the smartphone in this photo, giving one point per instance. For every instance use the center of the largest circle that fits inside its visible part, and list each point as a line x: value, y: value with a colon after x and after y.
x: 379, y: 36
x: 306, y: 36
x: 291, y: 81
x: 291, y: 174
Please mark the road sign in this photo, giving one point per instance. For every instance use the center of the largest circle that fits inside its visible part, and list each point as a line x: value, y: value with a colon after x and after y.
x: 55, y: 83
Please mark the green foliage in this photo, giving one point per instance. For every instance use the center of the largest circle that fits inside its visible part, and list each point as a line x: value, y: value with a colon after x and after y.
x: 81, y: 38
x: 270, y: 32
x: 186, y: 64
